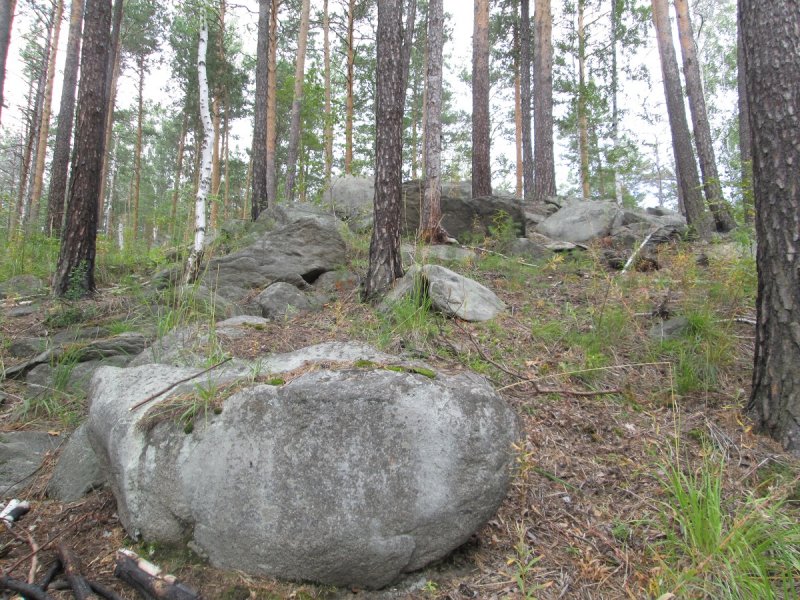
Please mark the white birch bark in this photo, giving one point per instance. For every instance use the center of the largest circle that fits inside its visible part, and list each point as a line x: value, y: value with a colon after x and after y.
x: 193, y: 263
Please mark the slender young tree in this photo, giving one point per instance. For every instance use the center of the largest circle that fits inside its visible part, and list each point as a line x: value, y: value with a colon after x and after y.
x: 544, y: 185
x: 47, y: 104
x: 771, y: 35
x: 272, y: 104
x: 75, y: 270
x: 712, y: 186
x: 6, y: 21
x: 385, y: 264
x: 431, y: 230
x: 525, y: 97
x: 176, y: 189
x: 583, y: 119
x: 348, y: 113
x: 481, y: 124
x: 66, y: 118
x: 196, y: 255
x: 685, y: 166
x: 328, y: 127
x: 258, y: 201
x: 297, y: 101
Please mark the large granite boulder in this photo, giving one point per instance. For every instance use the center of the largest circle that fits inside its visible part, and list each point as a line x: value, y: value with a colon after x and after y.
x: 582, y: 221
x: 350, y: 197
x: 297, y: 252
x: 350, y: 475
x: 461, y: 213
x: 21, y: 455
x: 77, y: 471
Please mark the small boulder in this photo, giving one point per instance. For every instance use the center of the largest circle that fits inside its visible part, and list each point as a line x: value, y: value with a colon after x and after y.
x: 21, y: 286
x: 459, y: 296
x: 21, y: 455
x: 280, y: 299
x: 77, y: 471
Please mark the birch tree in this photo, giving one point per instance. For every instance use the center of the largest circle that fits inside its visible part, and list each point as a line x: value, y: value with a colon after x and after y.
x: 204, y: 187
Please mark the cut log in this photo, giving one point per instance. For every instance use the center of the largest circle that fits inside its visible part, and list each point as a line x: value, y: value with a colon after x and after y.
x: 146, y: 578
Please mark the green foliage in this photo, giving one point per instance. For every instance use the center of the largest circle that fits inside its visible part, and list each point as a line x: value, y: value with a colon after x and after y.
x: 711, y: 549
x: 66, y: 314
x: 410, y: 318
x: 30, y: 254
x: 523, y: 563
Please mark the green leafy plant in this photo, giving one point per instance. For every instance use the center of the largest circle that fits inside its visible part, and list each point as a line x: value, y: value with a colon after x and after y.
x: 523, y: 563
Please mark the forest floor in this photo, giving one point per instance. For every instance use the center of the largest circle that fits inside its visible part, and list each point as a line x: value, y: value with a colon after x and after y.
x: 588, y: 511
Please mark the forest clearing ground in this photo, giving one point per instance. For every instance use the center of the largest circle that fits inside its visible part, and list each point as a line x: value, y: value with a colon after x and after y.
x: 584, y: 514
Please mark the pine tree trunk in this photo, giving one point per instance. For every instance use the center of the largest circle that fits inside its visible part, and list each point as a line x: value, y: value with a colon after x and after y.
x: 431, y: 230
x: 44, y: 126
x: 544, y: 184
x: 583, y: 121
x: 771, y: 32
x: 685, y: 166
x: 481, y: 124
x: 25, y: 158
x: 6, y: 21
x: 112, y: 76
x: 525, y: 98
x: 720, y: 209
x: 745, y: 132
x: 75, y: 271
x: 204, y: 187
x: 614, y: 92
x: 518, y: 129
x: 137, y: 153
x: 272, y: 105
x: 408, y: 42
x: 66, y: 118
x: 348, y: 114
x: 258, y: 153
x: 297, y: 101
x: 176, y: 190
x: 226, y: 155
x: 385, y: 264
x: 328, y: 127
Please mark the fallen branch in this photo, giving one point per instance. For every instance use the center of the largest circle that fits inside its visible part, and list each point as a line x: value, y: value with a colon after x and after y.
x: 636, y: 252
x: 522, y: 379
x: 172, y: 386
x: 33, y: 592
x: 147, y: 580
x: 46, y: 544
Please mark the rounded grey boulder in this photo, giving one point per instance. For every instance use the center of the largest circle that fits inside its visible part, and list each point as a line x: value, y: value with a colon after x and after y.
x: 345, y: 477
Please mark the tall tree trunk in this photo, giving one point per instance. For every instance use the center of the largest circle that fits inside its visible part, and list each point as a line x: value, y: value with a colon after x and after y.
x: 385, y: 264
x: 44, y: 126
x: 204, y: 187
x: 66, y: 118
x: 137, y: 154
x: 481, y: 125
x: 6, y: 21
x: 771, y: 32
x: 247, y: 188
x: 745, y: 132
x: 25, y: 159
x: 258, y: 152
x: 226, y: 155
x: 327, y: 134
x: 217, y: 108
x: 33, y: 141
x: 75, y: 270
x: 176, y: 190
x: 272, y: 105
x: 297, y: 101
x: 544, y: 185
x: 583, y: 120
x: 615, y: 14
x: 723, y: 217
x: 518, y: 129
x: 112, y: 76
x: 408, y: 42
x: 525, y: 98
x: 431, y: 230
x: 685, y: 166
x: 348, y: 112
